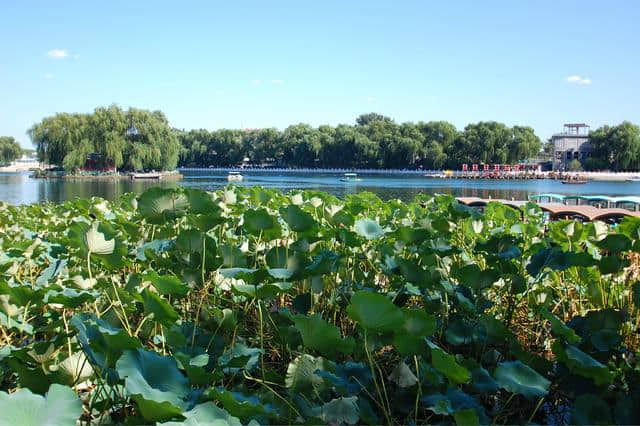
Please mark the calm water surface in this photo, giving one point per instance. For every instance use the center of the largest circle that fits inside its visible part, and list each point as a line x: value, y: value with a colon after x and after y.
x: 19, y: 188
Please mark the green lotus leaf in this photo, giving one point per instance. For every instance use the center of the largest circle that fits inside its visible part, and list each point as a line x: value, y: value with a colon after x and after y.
x: 413, y: 272
x: 297, y: 219
x: 60, y: 406
x: 200, y: 202
x: 281, y: 273
x: 70, y: 298
x: 206, y: 414
x: 408, y: 344
x: 462, y: 332
x: 615, y: 243
x: 324, y: 337
x: 343, y: 410
x: 466, y: 417
x: 612, y: 264
x: 369, y: 229
x: 160, y: 205
x: 374, y: 312
x: 582, y: 364
x: 447, y: 365
x: 240, y: 405
x: 160, y: 308
x: 589, y: 409
x: 482, y: 382
x: 240, y: 357
x: 325, y: 262
x: 155, y: 383
x: 96, y: 242
x: 167, y: 285
x: 261, y: 291
x: 519, y: 378
x: 301, y: 374
x: 258, y: 220
x: 418, y: 323
x: 75, y: 369
x: 474, y: 277
x: 99, y: 241
x: 101, y: 342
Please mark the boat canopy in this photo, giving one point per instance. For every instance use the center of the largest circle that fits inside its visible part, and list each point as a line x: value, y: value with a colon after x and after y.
x: 351, y: 174
x: 629, y: 200
x: 557, y: 197
x: 234, y: 173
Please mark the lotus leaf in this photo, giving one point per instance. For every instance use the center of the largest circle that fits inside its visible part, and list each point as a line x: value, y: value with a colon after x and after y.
x: 517, y: 377
x: 155, y: 383
x: 374, y: 312
x: 60, y: 406
x: 325, y: 338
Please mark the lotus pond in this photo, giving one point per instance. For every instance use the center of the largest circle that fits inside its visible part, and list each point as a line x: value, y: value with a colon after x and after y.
x: 251, y: 306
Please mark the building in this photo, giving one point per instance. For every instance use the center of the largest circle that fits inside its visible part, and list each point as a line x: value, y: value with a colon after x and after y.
x: 571, y: 144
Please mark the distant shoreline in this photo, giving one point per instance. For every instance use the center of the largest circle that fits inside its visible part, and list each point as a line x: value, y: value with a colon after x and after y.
x: 596, y: 176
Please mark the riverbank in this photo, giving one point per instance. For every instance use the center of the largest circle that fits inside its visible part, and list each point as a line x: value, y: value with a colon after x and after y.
x: 167, y: 176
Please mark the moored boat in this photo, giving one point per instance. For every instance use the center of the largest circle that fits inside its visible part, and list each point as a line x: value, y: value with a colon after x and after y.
x: 350, y: 178
x: 235, y: 177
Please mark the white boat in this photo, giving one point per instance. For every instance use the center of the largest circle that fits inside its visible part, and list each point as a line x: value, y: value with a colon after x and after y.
x: 634, y: 179
x: 350, y: 177
x: 235, y: 177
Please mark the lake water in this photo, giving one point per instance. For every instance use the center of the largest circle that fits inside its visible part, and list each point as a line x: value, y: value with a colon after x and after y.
x: 19, y: 188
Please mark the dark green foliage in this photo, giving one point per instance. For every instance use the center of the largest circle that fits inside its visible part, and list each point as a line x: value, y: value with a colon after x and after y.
x: 252, y: 306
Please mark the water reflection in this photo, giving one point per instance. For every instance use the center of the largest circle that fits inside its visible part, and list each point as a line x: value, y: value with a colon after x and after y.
x: 20, y: 189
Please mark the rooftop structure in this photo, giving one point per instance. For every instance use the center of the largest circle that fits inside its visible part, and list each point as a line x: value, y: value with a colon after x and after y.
x: 571, y: 144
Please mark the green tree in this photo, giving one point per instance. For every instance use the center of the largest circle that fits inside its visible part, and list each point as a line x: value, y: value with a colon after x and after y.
x: 365, y: 119
x: 617, y: 147
x: 68, y: 139
x: 574, y: 166
x: 438, y: 139
x: 9, y: 150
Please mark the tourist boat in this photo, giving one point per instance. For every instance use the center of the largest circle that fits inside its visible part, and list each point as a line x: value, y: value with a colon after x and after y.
x: 235, y: 177
x: 150, y: 175
x: 350, y: 177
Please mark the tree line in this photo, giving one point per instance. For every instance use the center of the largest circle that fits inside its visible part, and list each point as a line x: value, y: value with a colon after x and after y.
x: 9, y: 150
x: 138, y: 139
x: 375, y: 141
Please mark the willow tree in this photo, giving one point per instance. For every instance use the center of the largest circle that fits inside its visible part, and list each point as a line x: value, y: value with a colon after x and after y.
x: 9, y: 149
x: 68, y: 139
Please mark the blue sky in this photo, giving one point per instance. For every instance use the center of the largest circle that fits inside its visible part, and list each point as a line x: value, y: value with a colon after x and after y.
x: 252, y: 64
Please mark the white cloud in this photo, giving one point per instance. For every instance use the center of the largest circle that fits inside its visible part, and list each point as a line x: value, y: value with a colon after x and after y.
x: 58, y: 53
x: 277, y: 81
x: 577, y: 79
x: 48, y: 76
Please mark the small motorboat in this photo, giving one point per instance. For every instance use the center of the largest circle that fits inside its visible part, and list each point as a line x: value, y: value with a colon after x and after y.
x: 350, y: 178
x: 575, y: 181
x: 235, y: 177
x: 634, y: 179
